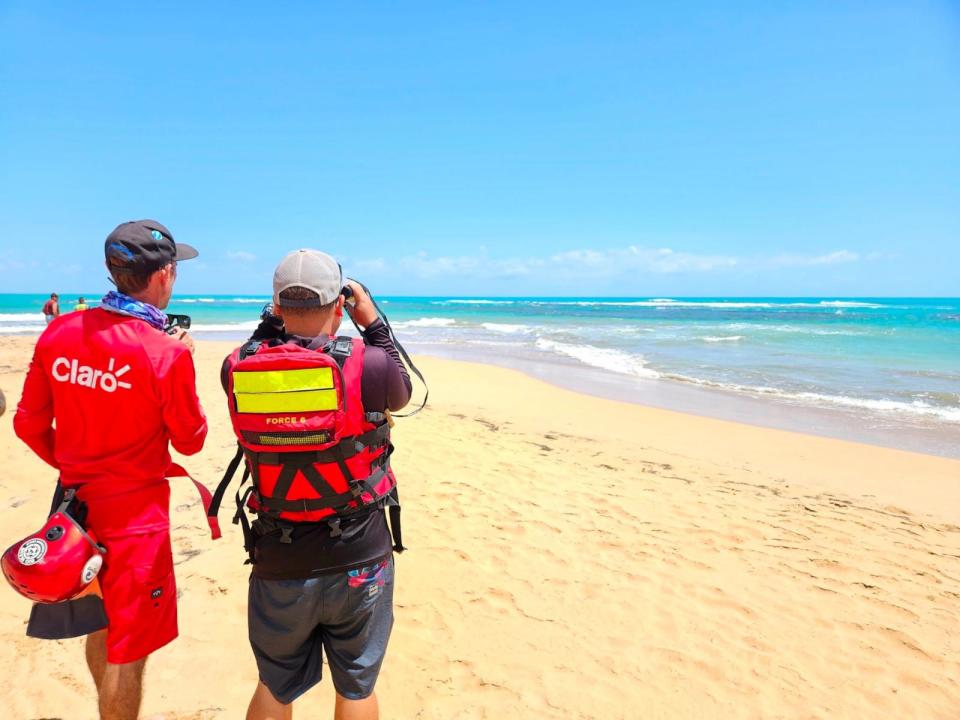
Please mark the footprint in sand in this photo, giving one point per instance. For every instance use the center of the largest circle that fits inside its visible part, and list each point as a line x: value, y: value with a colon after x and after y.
x: 188, y: 554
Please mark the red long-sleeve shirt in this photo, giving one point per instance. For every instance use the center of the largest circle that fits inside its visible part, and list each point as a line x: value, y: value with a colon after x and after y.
x: 104, y: 395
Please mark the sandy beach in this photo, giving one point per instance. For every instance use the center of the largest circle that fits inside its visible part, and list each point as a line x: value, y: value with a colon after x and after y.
x: 574, y: 557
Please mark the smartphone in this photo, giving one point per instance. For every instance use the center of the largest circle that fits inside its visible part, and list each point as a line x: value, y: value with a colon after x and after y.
x: 177, y: 322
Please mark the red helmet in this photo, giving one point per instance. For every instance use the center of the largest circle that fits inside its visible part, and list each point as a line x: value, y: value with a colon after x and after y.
x: 54, y: 564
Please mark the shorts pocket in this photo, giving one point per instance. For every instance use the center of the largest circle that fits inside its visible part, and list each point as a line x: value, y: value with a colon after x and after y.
x: 377, y: 574
x: 155, y: 588
x: 366, y: 585
x: 141, y: 602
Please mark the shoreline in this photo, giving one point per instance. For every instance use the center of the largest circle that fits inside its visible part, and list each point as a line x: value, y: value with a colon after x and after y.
x: 866, y: 427
x: 871, y: 427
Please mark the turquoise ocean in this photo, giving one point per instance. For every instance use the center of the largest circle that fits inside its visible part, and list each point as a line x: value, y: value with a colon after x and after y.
x: 885, y: 364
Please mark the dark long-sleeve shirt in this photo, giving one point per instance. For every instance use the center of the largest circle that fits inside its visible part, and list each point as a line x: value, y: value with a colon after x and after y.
x: 386, y: 383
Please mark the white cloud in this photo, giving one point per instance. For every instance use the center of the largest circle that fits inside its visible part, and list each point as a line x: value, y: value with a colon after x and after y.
x: 610, y: 263
x: 592, y: 258
x: 637, y: 259
x: 241, y: 255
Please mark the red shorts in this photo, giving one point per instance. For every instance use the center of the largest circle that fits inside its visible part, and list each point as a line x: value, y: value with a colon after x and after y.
x: 139, y: 595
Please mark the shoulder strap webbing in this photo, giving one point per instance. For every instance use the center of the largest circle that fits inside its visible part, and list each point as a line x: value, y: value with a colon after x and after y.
x: 240, y: 518
x: 222, y: 487
x: 393, y: 507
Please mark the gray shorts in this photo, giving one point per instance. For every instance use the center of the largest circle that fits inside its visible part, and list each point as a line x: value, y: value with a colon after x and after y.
x: 349, y: 615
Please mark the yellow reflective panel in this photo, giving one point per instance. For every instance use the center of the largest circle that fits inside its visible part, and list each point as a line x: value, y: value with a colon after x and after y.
x: 279, y: 402
x: 265, y: 381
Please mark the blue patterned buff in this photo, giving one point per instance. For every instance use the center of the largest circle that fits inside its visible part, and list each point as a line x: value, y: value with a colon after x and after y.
x: 122, y: 304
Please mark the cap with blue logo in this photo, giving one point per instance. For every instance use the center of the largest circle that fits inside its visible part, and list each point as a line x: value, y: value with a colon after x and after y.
x: 143, y: 246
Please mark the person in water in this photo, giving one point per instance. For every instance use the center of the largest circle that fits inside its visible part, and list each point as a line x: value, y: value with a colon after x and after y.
x: 51, y: 308
x: 322, y: 579
x: 107, y: 391
x: 80, y: 305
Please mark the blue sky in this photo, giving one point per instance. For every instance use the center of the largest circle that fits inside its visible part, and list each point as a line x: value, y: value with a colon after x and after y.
x: 751, y: 148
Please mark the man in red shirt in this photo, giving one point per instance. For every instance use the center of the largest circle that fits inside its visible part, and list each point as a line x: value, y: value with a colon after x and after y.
x: 106, y: 393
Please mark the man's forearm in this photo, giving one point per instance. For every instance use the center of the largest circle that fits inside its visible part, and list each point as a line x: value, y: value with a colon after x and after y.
x: 386, y: 384
x: 377, y: 335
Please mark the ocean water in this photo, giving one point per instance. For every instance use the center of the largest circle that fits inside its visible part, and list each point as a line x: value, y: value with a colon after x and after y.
x: 886, y: 362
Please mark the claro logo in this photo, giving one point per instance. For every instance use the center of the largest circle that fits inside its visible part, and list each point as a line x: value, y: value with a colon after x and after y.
x: 71, y: 371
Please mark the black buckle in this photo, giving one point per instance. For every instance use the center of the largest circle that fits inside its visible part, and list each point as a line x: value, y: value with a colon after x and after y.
x: 68, y: 496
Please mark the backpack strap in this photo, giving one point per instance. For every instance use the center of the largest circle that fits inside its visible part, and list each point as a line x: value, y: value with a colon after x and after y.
x: 227, y: 477
x: 393, y: 508
x: 240, y: 518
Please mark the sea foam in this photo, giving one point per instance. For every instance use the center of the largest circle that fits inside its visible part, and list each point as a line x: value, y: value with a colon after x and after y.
x: 604, y: 358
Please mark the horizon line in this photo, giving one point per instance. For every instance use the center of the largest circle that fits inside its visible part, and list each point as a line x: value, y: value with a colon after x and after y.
x: 538, y: 297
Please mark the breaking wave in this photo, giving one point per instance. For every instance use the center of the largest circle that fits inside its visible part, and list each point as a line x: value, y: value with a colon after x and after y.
x: 604, y: 358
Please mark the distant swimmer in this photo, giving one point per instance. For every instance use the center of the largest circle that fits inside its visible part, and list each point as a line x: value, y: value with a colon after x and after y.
x: 81, y: 305
x: 107, y: 393
x: 51, y: 308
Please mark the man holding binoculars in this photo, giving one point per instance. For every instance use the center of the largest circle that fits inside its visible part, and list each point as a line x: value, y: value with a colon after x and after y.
x: 311, y: 412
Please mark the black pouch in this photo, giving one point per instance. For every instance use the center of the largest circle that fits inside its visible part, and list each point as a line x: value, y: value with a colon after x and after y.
x: 72, y: 618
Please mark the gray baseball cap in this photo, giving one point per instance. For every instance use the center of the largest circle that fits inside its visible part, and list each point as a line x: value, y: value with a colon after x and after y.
x: 310, y: 269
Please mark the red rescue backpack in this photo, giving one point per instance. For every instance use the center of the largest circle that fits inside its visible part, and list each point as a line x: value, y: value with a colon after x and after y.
x: 314, y: 454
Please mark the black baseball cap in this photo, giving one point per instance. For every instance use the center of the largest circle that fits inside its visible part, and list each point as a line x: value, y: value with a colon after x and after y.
x: 144, y: 246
